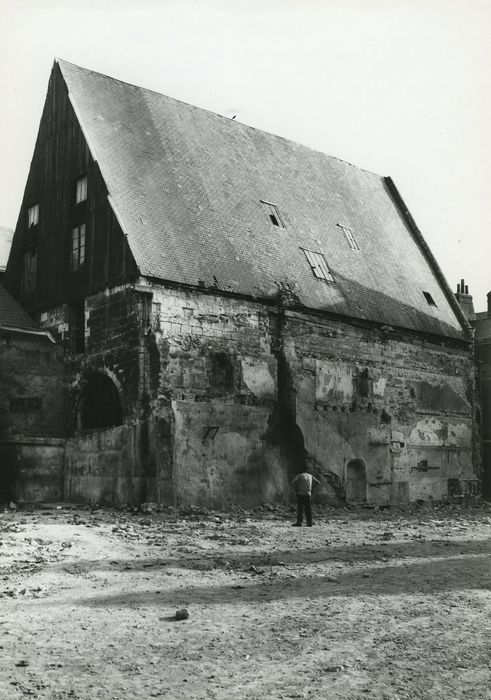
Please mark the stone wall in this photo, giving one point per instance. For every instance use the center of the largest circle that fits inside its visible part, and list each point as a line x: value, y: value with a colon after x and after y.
x: 397, y: 409
x: 223, y: 399
x: 32, y: 417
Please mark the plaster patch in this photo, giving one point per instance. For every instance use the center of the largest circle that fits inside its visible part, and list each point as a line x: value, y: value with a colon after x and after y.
x: 257, y: 378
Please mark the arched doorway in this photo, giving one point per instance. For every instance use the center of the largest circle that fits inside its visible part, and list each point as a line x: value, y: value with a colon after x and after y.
x: 356, y: 481
x: 100, y: 405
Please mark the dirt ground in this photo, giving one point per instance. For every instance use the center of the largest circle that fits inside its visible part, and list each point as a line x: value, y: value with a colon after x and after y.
x: 365, y: 604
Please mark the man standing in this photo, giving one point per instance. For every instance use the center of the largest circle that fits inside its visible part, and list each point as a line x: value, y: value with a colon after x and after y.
x: 303, y: 488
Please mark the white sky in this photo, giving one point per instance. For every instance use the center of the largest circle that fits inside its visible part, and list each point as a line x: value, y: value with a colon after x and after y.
x: 399, y: 87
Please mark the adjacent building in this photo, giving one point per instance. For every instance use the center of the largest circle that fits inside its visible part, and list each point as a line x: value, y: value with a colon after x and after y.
x: 233, y: 306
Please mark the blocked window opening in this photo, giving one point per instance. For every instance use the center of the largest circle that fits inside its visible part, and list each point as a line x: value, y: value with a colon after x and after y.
x: 77, y: 255
x: 28, y: 281
x: 100, y: 404
x: 33, y: 215
x: 81, y: 189
x: 155, y: 319
x: 429, y: 299
x: 221, y: 373
x: 319, y: 266
x: 274, y: 214
x: 210, y: 433
x: 350, y: 237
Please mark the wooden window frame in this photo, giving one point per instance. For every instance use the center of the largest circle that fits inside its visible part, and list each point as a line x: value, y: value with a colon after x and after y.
x: 33, y: 215
x: 81, y: 189
x: 78, y: 235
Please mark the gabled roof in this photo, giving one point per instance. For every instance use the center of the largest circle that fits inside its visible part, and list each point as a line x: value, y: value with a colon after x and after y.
x: 188, y: 187
x: 12, y: 315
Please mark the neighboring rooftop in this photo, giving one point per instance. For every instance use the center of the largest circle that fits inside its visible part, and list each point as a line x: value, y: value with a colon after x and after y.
x: 6, y: 235
x: 12, y: 315
x: 209, y: 202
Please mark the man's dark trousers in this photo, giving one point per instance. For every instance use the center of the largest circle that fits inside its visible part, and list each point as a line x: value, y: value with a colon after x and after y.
x: 303, y: 504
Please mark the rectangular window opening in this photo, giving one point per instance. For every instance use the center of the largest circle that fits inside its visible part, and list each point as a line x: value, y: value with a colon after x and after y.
x: 429, y: 299
x: 319, y: 266
x: 81, y: 189
x: 273, y: 214
x: 210, y: 433
x: 33, y: 216
x: 350, y: 237
x: 77, y: 254
x: 29, y: 272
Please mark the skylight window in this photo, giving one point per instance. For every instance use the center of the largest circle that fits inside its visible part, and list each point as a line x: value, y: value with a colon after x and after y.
x: 273, y: 214
x: 350, y: 237
x: 33, y: 215
x: 319, y: 266
x: 429, y: 299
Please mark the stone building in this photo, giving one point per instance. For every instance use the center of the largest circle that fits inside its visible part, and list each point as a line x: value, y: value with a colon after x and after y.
x: 32, y: 408
x: 481, y: 322
x: 233, y: 305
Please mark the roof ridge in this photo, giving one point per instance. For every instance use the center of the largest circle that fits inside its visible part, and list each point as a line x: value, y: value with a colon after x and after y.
x: 221, y: 116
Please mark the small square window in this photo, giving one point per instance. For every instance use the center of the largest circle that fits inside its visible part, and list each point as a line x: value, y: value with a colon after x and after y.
x: 81, y: 189
x: 319, y: 266
x: 349, y: 235
x: 273, y: 214
x: 429, y: 299
x: 33, y: 215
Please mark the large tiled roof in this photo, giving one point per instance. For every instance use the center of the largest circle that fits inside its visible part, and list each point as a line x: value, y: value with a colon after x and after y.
x: 187, y: 185
x: 13, y: 315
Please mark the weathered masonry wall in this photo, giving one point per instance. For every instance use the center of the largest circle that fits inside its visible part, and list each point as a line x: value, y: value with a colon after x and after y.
x: 380, y: 417
x: 223, y: 399
x: 109, y: 464
x: 32, y: 417
x: 384, y: 418
x: 212, y: 377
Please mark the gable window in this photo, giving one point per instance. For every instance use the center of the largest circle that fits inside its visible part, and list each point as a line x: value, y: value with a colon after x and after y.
x: 274, y: 214
x: 77, y: 254
x: 28, y: 281
x: 429, y: 299
x: 81, y: 189
x: 33, y: 216
x: 319, y: 266
x: 349, y: 235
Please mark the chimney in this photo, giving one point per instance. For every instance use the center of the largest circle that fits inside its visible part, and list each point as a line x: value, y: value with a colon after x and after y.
x: 466, y: 303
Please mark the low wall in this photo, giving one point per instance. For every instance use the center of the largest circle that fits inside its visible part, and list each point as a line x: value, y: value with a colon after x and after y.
x: 31, y: 469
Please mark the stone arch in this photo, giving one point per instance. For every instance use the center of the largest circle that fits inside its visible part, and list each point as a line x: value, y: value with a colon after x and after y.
x: 356, y: 481
x: 100, y: 404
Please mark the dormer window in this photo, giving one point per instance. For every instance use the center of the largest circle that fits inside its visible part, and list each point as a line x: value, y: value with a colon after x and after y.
x: 319, y: 266
x: 33, y: 216
x: 273, y: 214
x: 429, y: 299
x: 350, y: 237
x: 81, y: 189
